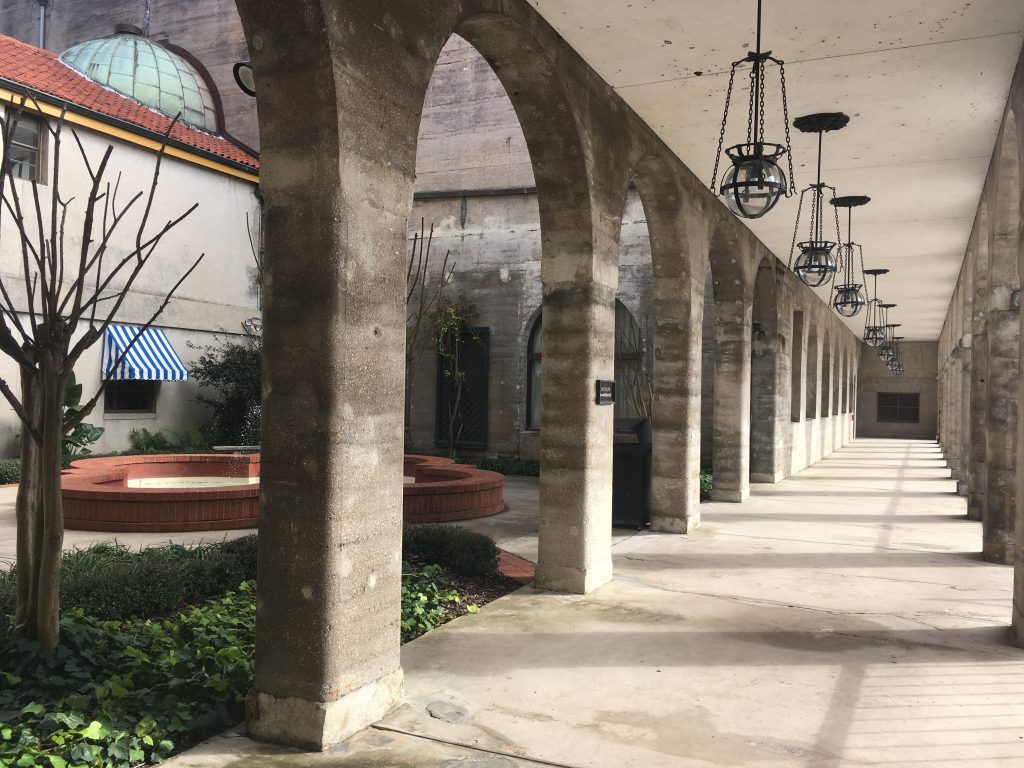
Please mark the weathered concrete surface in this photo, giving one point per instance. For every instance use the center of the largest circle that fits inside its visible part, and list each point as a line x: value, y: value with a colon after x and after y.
x: 920, y: 363
x: 842, y: 617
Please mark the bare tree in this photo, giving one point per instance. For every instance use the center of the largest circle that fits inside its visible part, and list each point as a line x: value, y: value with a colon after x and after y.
x: 422, y: 304
x: 67, y: 295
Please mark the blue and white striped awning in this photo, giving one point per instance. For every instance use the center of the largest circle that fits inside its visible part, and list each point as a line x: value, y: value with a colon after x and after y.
x: 151, y: 358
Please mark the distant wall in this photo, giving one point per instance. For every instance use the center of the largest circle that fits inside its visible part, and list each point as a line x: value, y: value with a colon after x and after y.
x: 920, y: 369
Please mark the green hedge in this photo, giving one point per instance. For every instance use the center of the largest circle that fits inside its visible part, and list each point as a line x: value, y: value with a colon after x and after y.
x: 110, y: 581
x: 458, y: 550
x: 521, y: 467
x: 10, y: 471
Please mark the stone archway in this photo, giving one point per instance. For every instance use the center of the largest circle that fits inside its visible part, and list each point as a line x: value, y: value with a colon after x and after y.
x: 337, y: 183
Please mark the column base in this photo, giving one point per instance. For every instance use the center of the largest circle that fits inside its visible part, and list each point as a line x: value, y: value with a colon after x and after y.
x: 576, y: 581
x: 1018, y: 624
x: 997, y: 550
x: 670, y: 524
x: 759, y: 477
x: 320, y: 725
x: 735, y: 496
x: 962, y: 488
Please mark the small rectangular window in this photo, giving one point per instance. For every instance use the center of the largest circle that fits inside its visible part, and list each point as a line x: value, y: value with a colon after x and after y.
x: 26, y: 151
x: 902, y: 407
x: 130, y: 397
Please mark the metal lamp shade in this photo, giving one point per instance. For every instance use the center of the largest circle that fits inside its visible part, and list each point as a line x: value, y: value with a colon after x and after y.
x: 815, y: 265
x: 755, y: 182
x: 849, y: 300
x: 874, y: 335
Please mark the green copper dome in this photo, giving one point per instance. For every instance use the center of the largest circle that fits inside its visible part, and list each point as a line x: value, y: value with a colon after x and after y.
x: 149, y: 73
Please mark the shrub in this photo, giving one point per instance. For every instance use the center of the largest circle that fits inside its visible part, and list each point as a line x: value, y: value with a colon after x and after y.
x: 110, y: 581
x: 705, y: 485
x: 187, y: 440
x: 521, y: 467
x: 459, y: 550
x: 10, y: 471
x: 233, y: 372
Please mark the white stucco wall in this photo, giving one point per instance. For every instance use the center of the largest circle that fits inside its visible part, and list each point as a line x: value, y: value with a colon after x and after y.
x: 213, y: 302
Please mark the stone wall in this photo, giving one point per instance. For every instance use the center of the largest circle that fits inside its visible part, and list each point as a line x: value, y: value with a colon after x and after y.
x: 920, y: 364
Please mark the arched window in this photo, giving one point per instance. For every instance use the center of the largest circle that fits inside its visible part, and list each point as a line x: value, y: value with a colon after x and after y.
x: 629, y: 372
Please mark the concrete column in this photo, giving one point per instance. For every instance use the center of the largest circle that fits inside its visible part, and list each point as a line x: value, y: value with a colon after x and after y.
x: 769, y: 378
x: 337, y: 179
x: 1001, y: 434
x: 732, y: 401
x: 678, y: 321
x: 964, y: 416
x: 978, y: 408
x: 576, y: 435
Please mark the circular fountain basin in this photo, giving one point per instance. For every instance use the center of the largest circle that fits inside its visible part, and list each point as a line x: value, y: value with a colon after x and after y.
x: 211, y: 492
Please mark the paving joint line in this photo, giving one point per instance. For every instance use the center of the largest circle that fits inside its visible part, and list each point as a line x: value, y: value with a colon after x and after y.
x: 472, y: 747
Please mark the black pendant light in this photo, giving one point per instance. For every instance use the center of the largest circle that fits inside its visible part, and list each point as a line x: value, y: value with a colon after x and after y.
x: 874, y: 330
x: 816, y: 263
x: 847, y: 296
x: 754, y: 181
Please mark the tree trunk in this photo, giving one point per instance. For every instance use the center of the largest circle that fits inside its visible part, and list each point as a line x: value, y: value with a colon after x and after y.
x: 29, y: 514
x: 52, y: 381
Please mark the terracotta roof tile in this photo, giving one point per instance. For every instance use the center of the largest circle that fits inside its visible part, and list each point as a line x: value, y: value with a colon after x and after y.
x: 42, y: 71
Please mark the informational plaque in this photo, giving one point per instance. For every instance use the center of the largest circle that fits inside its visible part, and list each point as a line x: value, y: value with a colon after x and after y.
x: 605, y: 392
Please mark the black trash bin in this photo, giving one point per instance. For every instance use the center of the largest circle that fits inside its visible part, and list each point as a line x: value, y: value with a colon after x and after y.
x: 631, y: 473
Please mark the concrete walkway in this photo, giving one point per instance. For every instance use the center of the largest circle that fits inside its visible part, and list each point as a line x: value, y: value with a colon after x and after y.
x: 840, y: 618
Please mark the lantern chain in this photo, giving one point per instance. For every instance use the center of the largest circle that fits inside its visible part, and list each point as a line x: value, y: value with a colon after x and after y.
x: 790, y: 190
x: 796, y: 229
x: 721, y: 134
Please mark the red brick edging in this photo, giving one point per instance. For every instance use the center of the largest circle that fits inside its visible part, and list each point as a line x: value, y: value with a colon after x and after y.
x: 96, y: 497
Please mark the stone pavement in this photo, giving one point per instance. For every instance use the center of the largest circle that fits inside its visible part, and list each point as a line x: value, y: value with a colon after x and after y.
x: 843, y: 617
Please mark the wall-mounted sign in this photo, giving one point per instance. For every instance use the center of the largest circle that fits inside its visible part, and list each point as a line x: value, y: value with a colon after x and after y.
x: 605, y: 392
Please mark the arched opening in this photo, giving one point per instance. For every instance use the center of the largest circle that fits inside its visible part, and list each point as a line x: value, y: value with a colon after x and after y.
x: 337, y: 179
x: 826, y: 376
x: 796, y: 370
x: 475, y: 203
x: 765, y: 443
x: 813, y: 365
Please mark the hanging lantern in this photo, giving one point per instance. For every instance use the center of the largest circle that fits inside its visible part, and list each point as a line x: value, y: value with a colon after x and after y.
x: 887, y: 349
x: 874, y: 330
x: 816, y: 263
x: 848, y: 298
x: 755, y: 181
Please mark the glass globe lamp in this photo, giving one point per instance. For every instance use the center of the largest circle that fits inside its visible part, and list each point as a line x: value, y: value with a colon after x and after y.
x: 874, y: 335
x: 755, y: 182
x: 849, y: 300
x: 815, y: 265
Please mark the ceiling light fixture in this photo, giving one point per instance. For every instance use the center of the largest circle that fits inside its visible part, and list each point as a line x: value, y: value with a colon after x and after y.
x: 754, y: 182
x: 874, y: 331
x: 847, y: 297
x: 816, y: 263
